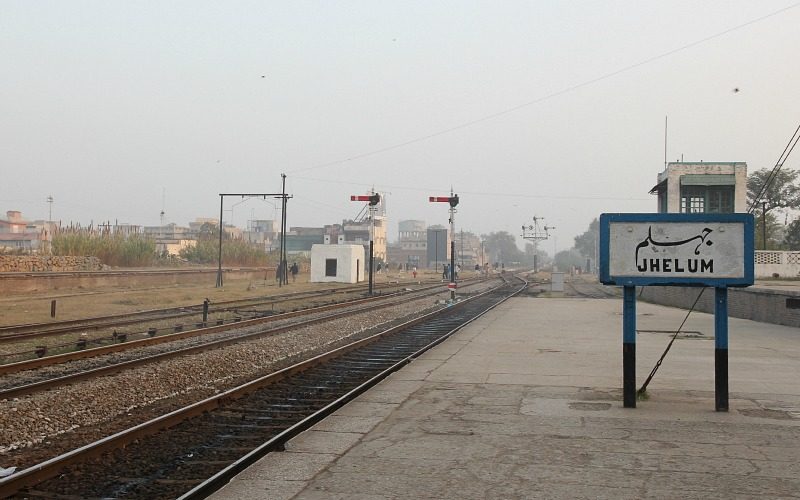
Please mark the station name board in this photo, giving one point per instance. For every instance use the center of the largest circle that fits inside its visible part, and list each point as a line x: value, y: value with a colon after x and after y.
x: 679, y: 249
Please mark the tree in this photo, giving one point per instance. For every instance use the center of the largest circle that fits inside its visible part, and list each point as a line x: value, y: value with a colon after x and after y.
x: 502, y: 247
x: 208, y: 231
x: 793, y: 235
x: 782, y: 192
x: 773, y: 232
x: 534, y: 255
x: 567, y: 259
x: 587, y: 243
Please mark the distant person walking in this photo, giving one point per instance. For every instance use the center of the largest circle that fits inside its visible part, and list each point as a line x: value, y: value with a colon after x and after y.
x: 294, y: 270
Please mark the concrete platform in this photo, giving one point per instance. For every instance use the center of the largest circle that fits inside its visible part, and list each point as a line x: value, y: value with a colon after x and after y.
x: 526, y: 403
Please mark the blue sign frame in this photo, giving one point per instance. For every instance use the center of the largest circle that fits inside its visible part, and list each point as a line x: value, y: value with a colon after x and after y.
x: 731, y: 218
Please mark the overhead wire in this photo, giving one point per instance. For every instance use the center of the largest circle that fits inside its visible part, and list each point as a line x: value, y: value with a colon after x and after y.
x: 504, y: 194
x: 776, y: 169
x: 546, y: 97
x: 770, y: 178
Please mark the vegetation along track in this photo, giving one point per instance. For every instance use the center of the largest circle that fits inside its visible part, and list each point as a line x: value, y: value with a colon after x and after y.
x: 41, y: 374
x: 199, y: 447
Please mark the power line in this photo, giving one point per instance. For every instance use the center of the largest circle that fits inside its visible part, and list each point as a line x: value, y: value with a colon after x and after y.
x: 781, y: 160
x: 774, y: 172
x: 504, y: 194
x: 545, y: 97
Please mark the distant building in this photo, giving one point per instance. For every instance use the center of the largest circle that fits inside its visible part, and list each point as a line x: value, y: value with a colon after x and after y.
x: 125, y: 229
x: 357, y: 232
x: 412, y: 245
x: 700, y: 187
x: 170, y: 231
x: 438, y: 246
x: 469, y: 250
x: 18, y: 234
x: 27, y: 242
x: 170, y: 238
x: 13, y: 223
x: 263, y: 233
x: 299, y: 240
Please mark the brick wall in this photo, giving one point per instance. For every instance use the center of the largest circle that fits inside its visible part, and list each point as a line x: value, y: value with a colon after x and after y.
x: 767, y: 306
x: 38, y: 263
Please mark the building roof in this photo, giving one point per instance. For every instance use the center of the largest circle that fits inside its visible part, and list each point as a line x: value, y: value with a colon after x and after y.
x: 19, y: 236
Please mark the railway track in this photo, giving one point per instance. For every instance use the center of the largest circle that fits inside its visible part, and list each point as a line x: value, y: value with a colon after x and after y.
x: 200, y: 446
x: 592, y: 290
x: 16, y: 333
x: 28, y: 380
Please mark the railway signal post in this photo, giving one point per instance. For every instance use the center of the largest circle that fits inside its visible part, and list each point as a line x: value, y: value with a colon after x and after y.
x: 536, y: 234
x: 373, y: 201
x: 453, y: 201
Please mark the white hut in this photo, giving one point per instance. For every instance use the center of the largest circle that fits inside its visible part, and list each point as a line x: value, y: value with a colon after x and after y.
x: 337, y: 263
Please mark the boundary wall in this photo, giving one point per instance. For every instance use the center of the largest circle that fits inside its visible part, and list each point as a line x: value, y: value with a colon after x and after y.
x: 757, y: 304
x: 775, y: 264
x: 41, y: 263
x: 14, y: 283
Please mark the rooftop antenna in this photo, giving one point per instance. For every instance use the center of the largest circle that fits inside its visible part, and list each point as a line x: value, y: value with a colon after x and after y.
x: 665, y: 141
x: 163, y: 200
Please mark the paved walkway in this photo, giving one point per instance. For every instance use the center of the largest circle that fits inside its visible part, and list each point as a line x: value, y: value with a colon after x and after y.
x: 526, y: 403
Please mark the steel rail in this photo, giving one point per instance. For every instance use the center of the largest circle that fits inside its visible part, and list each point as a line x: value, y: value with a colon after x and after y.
x: 17, y: 367
x: 278, y: 442
x: 42, y: 385
x: 52, y: 467
x: 29, y: 330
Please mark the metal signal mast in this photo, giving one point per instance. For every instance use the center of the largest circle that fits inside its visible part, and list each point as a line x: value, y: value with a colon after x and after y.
x: 372, y: 199
x: 536, y: 233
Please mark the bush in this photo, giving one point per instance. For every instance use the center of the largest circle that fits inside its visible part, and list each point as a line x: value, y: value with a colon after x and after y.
x: 234, y: 252
x: 112, y: 249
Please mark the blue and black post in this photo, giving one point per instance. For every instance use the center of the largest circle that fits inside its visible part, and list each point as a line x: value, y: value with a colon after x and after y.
x: 629, y: 347
x: 721, y: 348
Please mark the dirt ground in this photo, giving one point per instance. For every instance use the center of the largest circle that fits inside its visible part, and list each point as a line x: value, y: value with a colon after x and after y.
x: 81, y: 303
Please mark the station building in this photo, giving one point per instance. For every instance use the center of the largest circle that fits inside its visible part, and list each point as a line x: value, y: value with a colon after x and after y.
x: 702, y: 187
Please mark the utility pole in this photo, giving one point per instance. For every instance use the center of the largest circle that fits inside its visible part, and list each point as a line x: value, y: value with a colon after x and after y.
x: 222, y: 196
x: 219, y: 268
x: 284, y: 279
x: 764, y: 223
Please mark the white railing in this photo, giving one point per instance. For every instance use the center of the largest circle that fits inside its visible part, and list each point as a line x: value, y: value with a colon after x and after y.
x: 772, y: 263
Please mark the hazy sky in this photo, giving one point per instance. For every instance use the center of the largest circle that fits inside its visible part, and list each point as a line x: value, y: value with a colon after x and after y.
x: 554, y: 109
